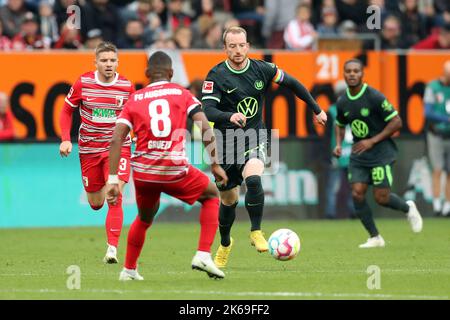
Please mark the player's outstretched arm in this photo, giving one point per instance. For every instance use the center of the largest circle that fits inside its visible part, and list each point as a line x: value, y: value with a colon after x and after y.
x: 393, y: 125
x: 112, y: 190
x: 209, y: 141
x: 302, y: 93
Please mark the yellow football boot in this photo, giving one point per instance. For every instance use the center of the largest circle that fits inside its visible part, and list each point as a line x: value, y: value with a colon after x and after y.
x: 257, y: 240
x: 222, y: 254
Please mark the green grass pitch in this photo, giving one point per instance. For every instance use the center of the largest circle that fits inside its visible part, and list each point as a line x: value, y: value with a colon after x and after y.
x: 330, y: 265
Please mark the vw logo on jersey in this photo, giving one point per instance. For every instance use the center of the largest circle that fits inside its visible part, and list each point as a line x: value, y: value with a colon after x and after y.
x: 248, y: 107
x: 259, y: 84
x: 360, y: 128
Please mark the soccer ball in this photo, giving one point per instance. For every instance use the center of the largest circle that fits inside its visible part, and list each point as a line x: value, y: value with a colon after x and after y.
x: 284, y: 244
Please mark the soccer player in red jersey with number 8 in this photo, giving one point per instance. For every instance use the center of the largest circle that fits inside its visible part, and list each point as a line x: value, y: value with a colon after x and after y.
x: 157, y: 114
x: 100, y: 96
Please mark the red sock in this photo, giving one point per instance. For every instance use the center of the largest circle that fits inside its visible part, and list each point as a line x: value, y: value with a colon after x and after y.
x: 209, y: 222
x: 136, y: 238
x: 114, y: 221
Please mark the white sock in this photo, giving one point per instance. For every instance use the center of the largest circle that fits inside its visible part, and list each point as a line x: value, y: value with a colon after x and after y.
x: 129, y: 270
x: 203, y: 255
x: 446, y: 209
x: 437, y: 205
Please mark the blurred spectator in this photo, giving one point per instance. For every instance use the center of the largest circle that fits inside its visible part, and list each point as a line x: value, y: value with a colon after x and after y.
x: 11, y: 15
x: 164, y: 43
x: 70, y: 39
x: 439, y: 39
x: 250, y: 14
x: 354, y: 10
x: 278, y: 14
x: 160, y: 8
x: 414, y: 26
x: 103, y: 15
x: 134, y: 36
x: 60, y: 10
x: 210, y: 34
x: 143, y: 11
x: 183, y: 38
x: 231, y: 22
x: 177, y: 17
x: 300, y: 34
x: 338, y: 171
x: 391, y: 35
x: 6, y: 119
x: 248, y: 9
x: 443, y: 18
x: 440, y: 5
x: 328, y: 26
x: 384, y: 11
x: 437, y: 113
x: 5, y: 43
x: 203, y: 7
x: 93, y: 39
x: 348, y: 29
x: 48, y: 23
x: 29, y: 37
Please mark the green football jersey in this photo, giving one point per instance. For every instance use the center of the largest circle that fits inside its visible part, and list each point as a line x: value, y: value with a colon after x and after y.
x: 438, y: 95
x: 367, y: 114
x: 240, y: 90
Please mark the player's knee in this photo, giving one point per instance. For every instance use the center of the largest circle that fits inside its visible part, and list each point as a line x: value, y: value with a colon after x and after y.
x: 382, y: 198
x: 96, y: 206
x: 253, y: 183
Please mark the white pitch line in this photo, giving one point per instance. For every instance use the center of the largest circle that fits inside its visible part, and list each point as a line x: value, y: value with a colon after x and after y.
x: 240, y: 294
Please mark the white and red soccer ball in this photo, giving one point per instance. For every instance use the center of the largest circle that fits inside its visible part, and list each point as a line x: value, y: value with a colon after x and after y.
x: 284, y: 244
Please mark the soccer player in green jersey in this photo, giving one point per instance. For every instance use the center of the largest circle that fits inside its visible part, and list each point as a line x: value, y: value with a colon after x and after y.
x: 373, y: 120
x: 233, y: 95
x: 437, y: 113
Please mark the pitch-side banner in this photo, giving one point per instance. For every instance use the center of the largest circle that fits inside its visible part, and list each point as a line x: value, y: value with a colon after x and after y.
x: 38, y: 188
x: 38, y: 82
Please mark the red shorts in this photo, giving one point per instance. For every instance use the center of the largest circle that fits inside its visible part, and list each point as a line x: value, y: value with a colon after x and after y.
x: 95, y: 169
x: 189, y: 189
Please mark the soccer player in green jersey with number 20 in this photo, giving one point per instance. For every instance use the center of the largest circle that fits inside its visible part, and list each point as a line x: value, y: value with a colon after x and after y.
x: 373, y: 121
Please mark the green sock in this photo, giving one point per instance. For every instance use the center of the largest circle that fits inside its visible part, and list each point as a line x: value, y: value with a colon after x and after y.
x: 227, y: 214
x: 397, y: 203
x: 365, y: 215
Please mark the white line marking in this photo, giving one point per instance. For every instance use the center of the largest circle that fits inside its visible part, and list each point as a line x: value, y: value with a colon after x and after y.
x: 240, y: 294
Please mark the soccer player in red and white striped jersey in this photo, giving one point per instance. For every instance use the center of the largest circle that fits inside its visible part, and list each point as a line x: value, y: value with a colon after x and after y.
x: 157, y: 114
x: 100, y: 96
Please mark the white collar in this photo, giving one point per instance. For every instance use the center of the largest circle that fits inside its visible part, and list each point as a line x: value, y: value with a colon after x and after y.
x: 158, y: 83
x: 106, y: 83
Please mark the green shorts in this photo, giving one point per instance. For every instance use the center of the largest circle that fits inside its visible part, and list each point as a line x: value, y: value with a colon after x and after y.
x: 377, y: 176
x: 234, y: 170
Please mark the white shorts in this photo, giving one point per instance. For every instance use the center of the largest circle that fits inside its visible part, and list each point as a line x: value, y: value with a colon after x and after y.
x: 438, y: 152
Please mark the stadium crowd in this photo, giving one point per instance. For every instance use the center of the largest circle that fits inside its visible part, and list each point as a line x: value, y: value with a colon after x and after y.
x: 198, y: 24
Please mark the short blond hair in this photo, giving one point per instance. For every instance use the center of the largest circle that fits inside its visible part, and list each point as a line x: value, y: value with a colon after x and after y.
x: 105, y: 47
x: 233, y: 30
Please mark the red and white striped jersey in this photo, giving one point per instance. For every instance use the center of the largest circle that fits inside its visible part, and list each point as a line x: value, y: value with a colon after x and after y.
x: 100, y: 104
x: 157, y: 114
